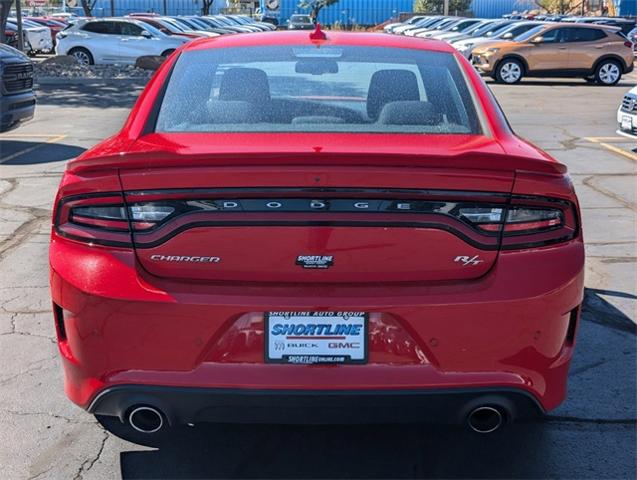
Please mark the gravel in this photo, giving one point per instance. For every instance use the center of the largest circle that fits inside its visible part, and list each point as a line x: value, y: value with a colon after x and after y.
x: 93, y: 72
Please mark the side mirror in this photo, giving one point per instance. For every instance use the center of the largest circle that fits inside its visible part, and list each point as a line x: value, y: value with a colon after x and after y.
x: 507, y: 36
x: 537, y: 40
x: 146, y: 34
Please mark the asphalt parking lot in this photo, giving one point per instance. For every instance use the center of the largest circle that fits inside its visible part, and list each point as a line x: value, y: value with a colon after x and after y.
x: 592, y: 435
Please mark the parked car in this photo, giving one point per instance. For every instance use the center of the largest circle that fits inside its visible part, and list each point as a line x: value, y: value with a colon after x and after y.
x: 66, y: 17
x: 39, y: 36
x: 115, y: 40
x: 203, y: 25
x: 426, y: 32
x: 300, y: 22
x: 627, y: 115
x: 467, y: 32
x: 215, y: 25
x: 597, y: 53
x: 229, y: 21
x: 625, y: 24
x: 54, y: 26
x: 17, y: 99
x: 488, y: 30
x: 632, y: 36
x: 419, y: 26
x: 298, y: 235
x: 459, y: 28
x: 389, y: 28
x: 249, y: 21
x: 11, y: 38
x: 170, y: 28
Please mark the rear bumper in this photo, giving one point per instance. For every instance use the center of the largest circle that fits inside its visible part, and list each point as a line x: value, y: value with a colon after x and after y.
x: 512, y: 329
x: 183, y: 405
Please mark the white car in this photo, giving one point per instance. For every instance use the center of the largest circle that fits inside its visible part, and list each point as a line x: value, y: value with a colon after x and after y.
x: 39, y: 37
x: 114, y: 40
x: 413, y: 20
x: 627, y: 115
x: 459, y: 28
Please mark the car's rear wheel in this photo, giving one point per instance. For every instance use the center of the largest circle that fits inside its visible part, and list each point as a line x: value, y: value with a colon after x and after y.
x: 82, y: 55
x: 608, y: 72
x: 509, y: 71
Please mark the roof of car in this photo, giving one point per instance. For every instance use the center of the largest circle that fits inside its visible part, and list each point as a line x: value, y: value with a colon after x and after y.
x: 283, y: 38
x: 582, y: 25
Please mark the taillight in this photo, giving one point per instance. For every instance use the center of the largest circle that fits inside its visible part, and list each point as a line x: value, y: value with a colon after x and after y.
x: 105, y: 219
x: 628, y: 44
x: 520, y: 222
x: 95, y: 219
x: 548, y: 222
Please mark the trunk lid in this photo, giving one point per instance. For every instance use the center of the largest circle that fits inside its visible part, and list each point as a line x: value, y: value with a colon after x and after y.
x: 320, y: 216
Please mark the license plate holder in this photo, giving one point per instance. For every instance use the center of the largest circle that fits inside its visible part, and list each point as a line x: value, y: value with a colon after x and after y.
x: 311, y: 338
x: 627, y: 123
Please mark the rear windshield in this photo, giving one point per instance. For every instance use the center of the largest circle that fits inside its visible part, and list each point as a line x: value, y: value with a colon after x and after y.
x: 310, y: 89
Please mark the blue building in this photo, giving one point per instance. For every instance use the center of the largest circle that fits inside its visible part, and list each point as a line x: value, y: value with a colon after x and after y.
x: 107, y: 8
x: 497, y: 8
x: 346, y: 12
x: 626, y: 8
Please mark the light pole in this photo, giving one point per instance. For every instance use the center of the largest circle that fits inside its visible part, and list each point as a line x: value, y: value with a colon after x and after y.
x: 446, y: 8
x: 18, y: 14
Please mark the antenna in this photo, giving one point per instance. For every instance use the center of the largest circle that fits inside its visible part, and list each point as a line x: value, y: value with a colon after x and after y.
x: 318, y: 34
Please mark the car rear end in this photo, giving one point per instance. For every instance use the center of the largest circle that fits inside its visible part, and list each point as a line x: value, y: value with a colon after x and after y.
x: 302, y: 234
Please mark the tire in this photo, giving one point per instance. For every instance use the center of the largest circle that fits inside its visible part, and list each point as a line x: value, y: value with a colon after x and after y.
x: 509, y: 71
x: 82, y: 55
x: 124, y: 431
x: 168, y: 52
x: 608, y: 73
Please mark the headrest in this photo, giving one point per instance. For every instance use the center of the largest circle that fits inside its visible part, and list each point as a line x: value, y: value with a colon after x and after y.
x: 390, y: 86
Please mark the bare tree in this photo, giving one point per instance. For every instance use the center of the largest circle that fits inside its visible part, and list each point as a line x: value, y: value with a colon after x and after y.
x: 206, y: 6
x: 316, y: 6
x: 87, y: 6
x: 5, y: 7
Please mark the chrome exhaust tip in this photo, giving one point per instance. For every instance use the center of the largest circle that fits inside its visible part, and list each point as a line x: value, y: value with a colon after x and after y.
x: 485, y: 419
x: 146, y: 419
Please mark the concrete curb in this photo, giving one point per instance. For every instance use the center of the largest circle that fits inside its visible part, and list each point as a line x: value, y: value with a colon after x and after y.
x: 57, y: 81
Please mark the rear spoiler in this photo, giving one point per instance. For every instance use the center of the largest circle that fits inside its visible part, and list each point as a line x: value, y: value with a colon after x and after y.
x: 473, y: 160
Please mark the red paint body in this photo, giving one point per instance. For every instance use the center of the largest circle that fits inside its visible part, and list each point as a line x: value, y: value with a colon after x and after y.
x: 509, y: 322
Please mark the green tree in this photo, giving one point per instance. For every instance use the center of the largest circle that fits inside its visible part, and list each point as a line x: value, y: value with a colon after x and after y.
x: 437, y: 6
x: 87, y: 6
x: 561, y: 6
x: 206, y: 6
x: 315, y: 6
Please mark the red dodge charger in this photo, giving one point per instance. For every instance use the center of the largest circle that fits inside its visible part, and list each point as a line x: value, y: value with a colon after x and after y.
x: 315, y: 227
